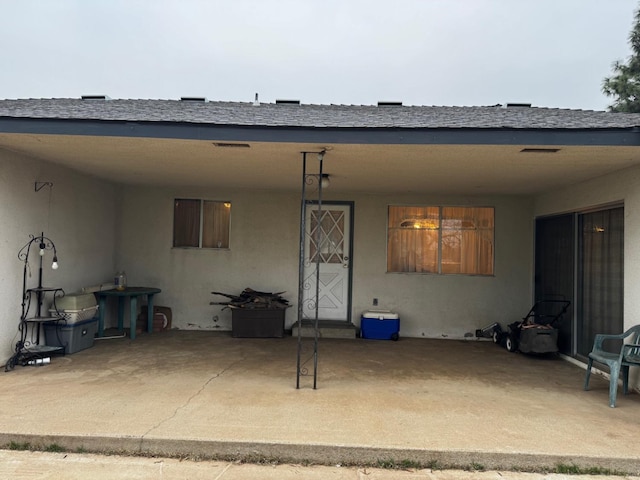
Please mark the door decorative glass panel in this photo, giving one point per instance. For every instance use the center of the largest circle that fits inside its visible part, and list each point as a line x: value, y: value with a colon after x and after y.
x: 327, y: 248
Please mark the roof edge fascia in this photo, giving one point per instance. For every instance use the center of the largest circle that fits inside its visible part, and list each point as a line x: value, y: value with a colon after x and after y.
x: 614, y: 136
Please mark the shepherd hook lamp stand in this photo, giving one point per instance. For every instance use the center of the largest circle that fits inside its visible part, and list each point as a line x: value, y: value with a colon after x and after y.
x: 28, y: 349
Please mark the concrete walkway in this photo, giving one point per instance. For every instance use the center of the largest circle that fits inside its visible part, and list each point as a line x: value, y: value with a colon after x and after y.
x: 419, y: 403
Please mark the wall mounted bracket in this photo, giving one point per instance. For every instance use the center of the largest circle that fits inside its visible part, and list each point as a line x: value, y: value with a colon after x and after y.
x: 40, y: 185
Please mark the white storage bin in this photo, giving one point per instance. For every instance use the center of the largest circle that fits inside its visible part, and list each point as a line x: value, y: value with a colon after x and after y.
x: 76, y: 301
x: 76, y: 307
x: 75, y: 316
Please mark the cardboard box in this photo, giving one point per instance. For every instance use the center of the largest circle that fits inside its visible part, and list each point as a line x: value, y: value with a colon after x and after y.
x: 161, y: 319
x: 74, y: 337
x: 380, y: 325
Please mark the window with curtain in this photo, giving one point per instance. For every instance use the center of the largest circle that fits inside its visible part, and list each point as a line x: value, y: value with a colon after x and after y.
x: 201, y: 223
x: 443, y: 240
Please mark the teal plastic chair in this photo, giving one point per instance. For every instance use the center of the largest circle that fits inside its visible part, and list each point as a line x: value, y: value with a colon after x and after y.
x: 618, y: 362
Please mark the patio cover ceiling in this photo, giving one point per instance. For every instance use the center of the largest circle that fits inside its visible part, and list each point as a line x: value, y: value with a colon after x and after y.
x: 460, y: 169
x: 421, y: 158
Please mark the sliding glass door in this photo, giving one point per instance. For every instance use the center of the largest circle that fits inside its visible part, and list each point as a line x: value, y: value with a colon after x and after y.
x: 601, y: 276
x: 555, y: 269
x: 579, y: 257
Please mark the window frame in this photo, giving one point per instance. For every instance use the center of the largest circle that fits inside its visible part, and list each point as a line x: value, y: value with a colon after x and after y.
x: 439, y: 255
x: 201, y: 224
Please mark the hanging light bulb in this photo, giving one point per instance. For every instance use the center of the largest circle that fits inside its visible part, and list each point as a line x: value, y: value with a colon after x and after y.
x: 325, y: 181
x: 42, y: 245
x: 54, y: 265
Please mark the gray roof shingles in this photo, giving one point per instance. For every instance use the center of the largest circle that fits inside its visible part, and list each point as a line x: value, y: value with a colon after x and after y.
x: 315, y: 116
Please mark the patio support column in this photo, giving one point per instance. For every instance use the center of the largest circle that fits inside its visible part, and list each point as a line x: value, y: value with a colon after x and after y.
x: 308, y: 179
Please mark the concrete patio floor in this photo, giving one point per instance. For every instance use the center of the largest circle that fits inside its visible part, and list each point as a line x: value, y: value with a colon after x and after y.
x: 440, y: 403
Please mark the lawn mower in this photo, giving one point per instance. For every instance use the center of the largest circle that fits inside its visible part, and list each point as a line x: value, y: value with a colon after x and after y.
x: 537, y: 331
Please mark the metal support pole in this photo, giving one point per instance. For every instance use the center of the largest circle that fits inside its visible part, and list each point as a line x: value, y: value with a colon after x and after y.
x: 308, y: 179
x: 318, y: 258
x: 301, y: 263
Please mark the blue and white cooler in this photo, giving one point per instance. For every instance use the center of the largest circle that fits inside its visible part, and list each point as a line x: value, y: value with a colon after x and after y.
x: 380, y: 325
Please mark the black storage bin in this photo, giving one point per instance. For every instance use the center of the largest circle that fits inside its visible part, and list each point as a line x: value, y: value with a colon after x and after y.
x: 257, y: 322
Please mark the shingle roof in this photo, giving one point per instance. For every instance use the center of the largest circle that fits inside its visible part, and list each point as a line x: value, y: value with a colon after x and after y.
x: 315, y: 116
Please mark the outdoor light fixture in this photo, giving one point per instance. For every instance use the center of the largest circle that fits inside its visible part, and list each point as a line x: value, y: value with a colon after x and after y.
x: 321, y: 179
x: 28, y: 349
x: 325, y: 181
x: 44, y: 244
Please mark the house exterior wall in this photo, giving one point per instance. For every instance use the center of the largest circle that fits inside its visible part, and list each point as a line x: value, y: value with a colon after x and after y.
x: 623, y: 186
x: 78, y: 214
x: 263, y: 253
x: 445, y: 306
x: 264, y: 256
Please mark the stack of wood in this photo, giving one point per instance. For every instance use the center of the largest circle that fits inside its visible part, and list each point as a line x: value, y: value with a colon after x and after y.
x: 250, y: 298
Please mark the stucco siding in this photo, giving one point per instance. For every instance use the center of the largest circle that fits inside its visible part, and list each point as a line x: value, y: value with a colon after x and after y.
x: 78, y: 214
x: 623, y: 187
x: 263, y: 252
x: 445, y: 306
x: 264, y: 256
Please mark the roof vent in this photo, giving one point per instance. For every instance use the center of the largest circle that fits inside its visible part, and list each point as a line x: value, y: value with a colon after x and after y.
x: 194, y: 99
x: 287, y: 102
x: 389, y: 104
x: 524, y: 105
x: 231, y: 145
x: 95, y: 97
x: 539, y: 150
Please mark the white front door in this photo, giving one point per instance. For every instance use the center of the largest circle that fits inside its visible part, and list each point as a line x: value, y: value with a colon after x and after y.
x: 327, y: 246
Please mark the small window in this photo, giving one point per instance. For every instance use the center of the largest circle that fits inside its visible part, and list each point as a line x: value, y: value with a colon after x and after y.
x: 444, y: 240
x: 201, y: 223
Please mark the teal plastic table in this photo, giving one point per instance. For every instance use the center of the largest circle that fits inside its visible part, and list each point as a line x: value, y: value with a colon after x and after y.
x: 132, y: 293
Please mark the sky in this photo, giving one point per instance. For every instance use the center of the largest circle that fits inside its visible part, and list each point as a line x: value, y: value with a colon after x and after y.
x: 550, y: 53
